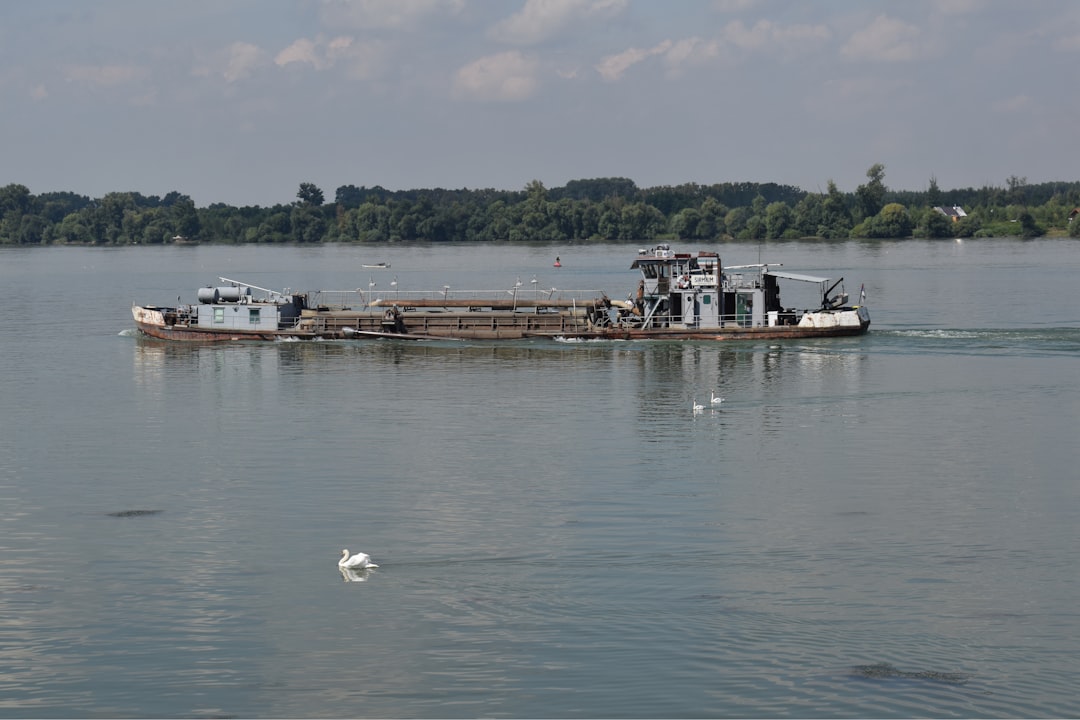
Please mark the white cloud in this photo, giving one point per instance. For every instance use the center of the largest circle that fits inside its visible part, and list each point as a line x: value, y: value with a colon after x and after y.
x: 301, y: 51
x: 763, y: 36
x: 243, y: 58
x: 384, y: 14
x: 612, y: 67
x: 234, y: 63
x: 746, y: 38
x: 690, y: 51
x: 801, y: 35
x: 766, y: 34
x: 885, y: 39
x: 540, y: 19
x: 361, y: 60
x: 508, y: 76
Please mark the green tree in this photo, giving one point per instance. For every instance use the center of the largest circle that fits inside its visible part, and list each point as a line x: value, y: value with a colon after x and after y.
x: 712, y: 225
x: 15, y: 199
x: 371, y: 222
x: 15, y: 203
x: 535, y: 216
x: 110, y: 228
x: 276, y: 228
x: 870, y: 197
x: 755, y: 228
x: 234, y: 229
x: 156, y: 228
x: 309, y: 194
x: 184, y: 217
x: 640, y: 221
x: 599, y: 189
x: 778, y: 219
x: 736, y: 220
x: 31, y: 230
x: 967, y: 226
x: 757, y: 207
x: 1028, y: 227
x: 72, y: 231
x: 835, y: 218
x: 685, y: 223
x: 1017, y: 190
x: 307, y: 224
x: 806, y: 217
x: 348, y: 197
x: 892, y: 222
x: 933, y: 193
x: 934, y: 225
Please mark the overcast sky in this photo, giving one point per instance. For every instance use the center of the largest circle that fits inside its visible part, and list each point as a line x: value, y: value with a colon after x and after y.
x: 239, y: 101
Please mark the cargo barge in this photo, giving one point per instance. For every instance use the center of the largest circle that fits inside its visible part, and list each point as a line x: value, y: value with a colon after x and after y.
x: 679, y: 296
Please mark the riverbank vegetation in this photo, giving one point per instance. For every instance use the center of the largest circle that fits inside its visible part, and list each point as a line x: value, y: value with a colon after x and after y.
x: 601, y: 209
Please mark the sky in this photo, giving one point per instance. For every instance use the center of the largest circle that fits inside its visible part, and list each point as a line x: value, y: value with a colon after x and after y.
x: 240, y: 101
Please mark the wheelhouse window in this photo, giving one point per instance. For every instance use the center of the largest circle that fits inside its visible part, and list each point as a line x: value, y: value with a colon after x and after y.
x: 253, y: 316
x: 219, y: 316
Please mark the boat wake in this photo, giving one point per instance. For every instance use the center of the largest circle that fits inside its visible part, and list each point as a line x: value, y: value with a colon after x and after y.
x: 940, y: 334
x: 576, y: 340
x: 1026, y: 341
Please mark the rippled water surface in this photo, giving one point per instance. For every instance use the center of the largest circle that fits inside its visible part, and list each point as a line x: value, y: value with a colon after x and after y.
x: 881, y: 526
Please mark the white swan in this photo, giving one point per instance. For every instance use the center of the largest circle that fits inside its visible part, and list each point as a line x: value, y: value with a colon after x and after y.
x: 714, y: 398
x: 695, y: 406
x: 359, y: 561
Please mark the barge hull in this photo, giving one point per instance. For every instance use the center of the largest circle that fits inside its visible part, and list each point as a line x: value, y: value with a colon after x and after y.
x: 761, y: 333
x: 185, y: 334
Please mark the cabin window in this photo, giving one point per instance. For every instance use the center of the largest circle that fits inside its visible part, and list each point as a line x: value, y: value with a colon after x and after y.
x: 219, y: 316
x: 253, y: 316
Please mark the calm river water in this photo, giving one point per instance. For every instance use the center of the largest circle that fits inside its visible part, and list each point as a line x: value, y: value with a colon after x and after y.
x: 883, y: 526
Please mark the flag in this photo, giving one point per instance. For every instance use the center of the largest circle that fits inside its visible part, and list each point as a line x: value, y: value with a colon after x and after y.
x: 862, y: 294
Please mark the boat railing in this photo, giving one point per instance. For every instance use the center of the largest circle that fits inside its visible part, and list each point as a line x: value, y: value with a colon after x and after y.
x: 744, y: 319
x: 360, y: 298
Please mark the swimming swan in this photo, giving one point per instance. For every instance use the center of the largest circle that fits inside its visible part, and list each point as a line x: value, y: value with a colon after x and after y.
x: 695, y: 406
x: 359, y: 561
x: 715, y: 399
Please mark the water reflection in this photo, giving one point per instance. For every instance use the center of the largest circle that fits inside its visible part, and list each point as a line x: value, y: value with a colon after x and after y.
x: 653, y: 383
x: 351, y: 575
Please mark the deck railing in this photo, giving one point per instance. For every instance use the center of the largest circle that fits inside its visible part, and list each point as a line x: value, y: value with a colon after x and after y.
x: 660, y: 320
x: 360, y: 298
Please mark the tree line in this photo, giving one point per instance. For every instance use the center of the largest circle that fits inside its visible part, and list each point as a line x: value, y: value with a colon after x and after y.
x: 600, y: 209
